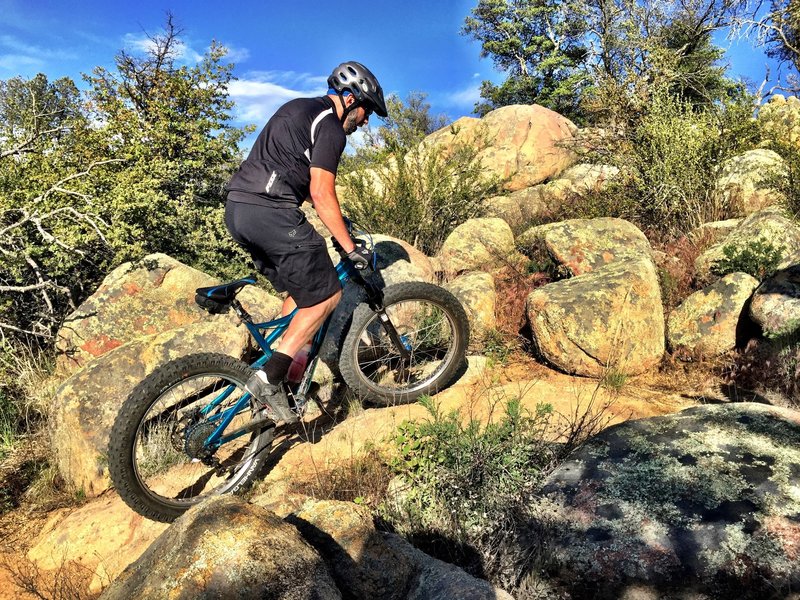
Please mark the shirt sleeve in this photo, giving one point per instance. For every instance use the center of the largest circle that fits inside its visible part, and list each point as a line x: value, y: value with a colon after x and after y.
x: 328, y: 145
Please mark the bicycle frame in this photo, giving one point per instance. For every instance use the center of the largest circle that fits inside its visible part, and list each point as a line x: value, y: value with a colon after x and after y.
x: 276, y: 328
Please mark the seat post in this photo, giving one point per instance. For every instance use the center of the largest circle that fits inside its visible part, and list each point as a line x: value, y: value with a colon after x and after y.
x: 243, y: 315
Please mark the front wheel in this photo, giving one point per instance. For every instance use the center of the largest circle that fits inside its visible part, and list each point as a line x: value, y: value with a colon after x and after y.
x: 159, y: 455
x: 433, y: 328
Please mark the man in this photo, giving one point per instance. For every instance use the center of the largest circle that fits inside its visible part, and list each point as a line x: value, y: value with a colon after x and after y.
x: 295, y: 158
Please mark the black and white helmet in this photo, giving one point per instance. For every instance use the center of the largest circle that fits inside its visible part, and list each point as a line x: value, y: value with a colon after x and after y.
x: 353, y: 77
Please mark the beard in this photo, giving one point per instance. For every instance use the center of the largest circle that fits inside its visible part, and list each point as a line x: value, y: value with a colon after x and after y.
x: 350, y: 124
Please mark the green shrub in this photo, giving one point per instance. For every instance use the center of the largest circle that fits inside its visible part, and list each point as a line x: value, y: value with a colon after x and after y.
x: 668, y: 164
x: 788, y: 183
x: 418, y: 196
x: 466, y: 476
x: 758, y: 258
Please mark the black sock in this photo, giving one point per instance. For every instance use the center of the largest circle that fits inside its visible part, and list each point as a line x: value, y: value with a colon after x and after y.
x: 277, y: 366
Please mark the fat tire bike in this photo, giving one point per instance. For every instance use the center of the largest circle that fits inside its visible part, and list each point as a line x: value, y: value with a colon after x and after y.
x: 189, y: 430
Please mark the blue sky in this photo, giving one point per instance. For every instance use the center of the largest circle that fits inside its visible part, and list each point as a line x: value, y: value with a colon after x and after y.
x: 281, y: 49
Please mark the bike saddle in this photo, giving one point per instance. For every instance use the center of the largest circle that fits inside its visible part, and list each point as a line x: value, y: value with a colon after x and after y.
x: 217, y: 298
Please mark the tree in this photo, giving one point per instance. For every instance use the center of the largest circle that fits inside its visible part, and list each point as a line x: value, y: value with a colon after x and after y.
x: 49, y: 229
x: 779, y: 29
x: 171, y: 123
x: 640, y: 48
x: 137, y: 166
x: 538, y: 45
x: 604, y: 58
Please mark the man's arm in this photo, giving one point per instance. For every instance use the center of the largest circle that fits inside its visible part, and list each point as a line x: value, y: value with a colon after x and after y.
x: 323, y: 195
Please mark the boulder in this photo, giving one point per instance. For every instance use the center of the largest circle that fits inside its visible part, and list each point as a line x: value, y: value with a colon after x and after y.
x: 477, y: 294
x: 226, y: 548
x: 776, y: 303
x: 357, y: 556
x: 609, y: 318
x: 745, y: 184
x: 85, y: 405
x: 152, y: 295
x: 585, y: 245
x: 704, y: 503
x: 714, y: 231
x: 522, y: 145
x: 136, y: 299
x: 399, y: 261
x: 372, y: 565
x: 707, y: 321
x: 780, y: 119
x: 524, y: 206
x: 477, y: 243
x: 769, y: 225
x: 101, y: 537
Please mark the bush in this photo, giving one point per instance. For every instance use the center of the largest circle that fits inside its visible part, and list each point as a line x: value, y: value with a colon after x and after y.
x: 466, y: 476
x: 418, y: 196
x: 758, y: 258
x: 417, y: 192
x: 668, y: 164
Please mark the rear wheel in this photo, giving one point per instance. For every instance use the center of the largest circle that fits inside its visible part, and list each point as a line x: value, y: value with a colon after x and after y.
x: 159, y: 459
x: 433, y: 328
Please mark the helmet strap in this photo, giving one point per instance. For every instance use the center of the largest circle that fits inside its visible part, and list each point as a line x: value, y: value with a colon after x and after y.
x: 345, y: 109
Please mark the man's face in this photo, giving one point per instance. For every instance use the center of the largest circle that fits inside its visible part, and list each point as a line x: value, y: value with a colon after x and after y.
x: 355, y: 119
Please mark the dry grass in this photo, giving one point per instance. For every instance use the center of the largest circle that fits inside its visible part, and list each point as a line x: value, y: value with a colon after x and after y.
x: 69, y: 581
x: 362, y: 479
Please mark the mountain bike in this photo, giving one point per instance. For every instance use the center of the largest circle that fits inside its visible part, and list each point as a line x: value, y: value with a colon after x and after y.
x: 189, y: 430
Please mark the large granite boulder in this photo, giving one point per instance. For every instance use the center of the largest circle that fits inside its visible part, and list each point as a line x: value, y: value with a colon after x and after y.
x: 136, y: 299
x: 769, y: 226
x: 477, y: 244
x: 226, y: 548
x: 477, y: 293
x: 776, y: 303
x: 707, y: 322
x: 524, y: 206
x: 85, y: 405
x: 609, y: 318
x: 522, y: 145
x: 399, y: 261
x: 585, y: 245
x: 356, y: 554
x: 152, y: 295
x: 701, y: 504
x: 746, y: 182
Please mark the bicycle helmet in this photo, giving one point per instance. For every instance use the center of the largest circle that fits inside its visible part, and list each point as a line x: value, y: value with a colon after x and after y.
x: 353, y: 77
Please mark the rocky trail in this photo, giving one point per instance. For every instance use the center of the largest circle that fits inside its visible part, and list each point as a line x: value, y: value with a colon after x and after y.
x: 98, y: 539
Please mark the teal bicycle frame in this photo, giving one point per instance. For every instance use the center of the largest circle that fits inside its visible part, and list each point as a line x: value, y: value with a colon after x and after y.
x: 276, y: 328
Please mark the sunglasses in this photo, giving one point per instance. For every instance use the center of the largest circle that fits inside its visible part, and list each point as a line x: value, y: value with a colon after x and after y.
x: 367, y: 111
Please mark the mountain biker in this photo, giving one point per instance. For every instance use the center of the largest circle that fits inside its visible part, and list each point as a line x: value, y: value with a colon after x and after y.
x: 295, y: 158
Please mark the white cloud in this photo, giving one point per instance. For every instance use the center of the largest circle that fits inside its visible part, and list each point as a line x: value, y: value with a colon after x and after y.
x: 22, y: 49
x: 260, y: 93
x: 236, y: 55
x: 16, y: 62
x: 466, y: 97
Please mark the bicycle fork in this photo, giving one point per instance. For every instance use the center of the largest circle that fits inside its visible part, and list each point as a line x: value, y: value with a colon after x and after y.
x: 375, y: 302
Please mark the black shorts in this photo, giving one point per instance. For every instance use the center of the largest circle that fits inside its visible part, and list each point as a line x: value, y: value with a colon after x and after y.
x: 285, y: 248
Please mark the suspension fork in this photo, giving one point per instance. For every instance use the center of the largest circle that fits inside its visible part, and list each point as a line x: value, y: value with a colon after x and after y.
x: 375, y: 302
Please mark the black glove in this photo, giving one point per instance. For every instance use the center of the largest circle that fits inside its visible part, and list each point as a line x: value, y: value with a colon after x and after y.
x: 362, y: 257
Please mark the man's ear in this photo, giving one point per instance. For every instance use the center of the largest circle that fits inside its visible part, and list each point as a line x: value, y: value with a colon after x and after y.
x: 349, y: 99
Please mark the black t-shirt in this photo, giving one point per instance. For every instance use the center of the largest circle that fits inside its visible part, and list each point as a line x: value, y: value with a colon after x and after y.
x: 304, y: 133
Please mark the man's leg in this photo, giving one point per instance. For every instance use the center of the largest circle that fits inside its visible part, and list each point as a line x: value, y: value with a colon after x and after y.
x: 265, y: 383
